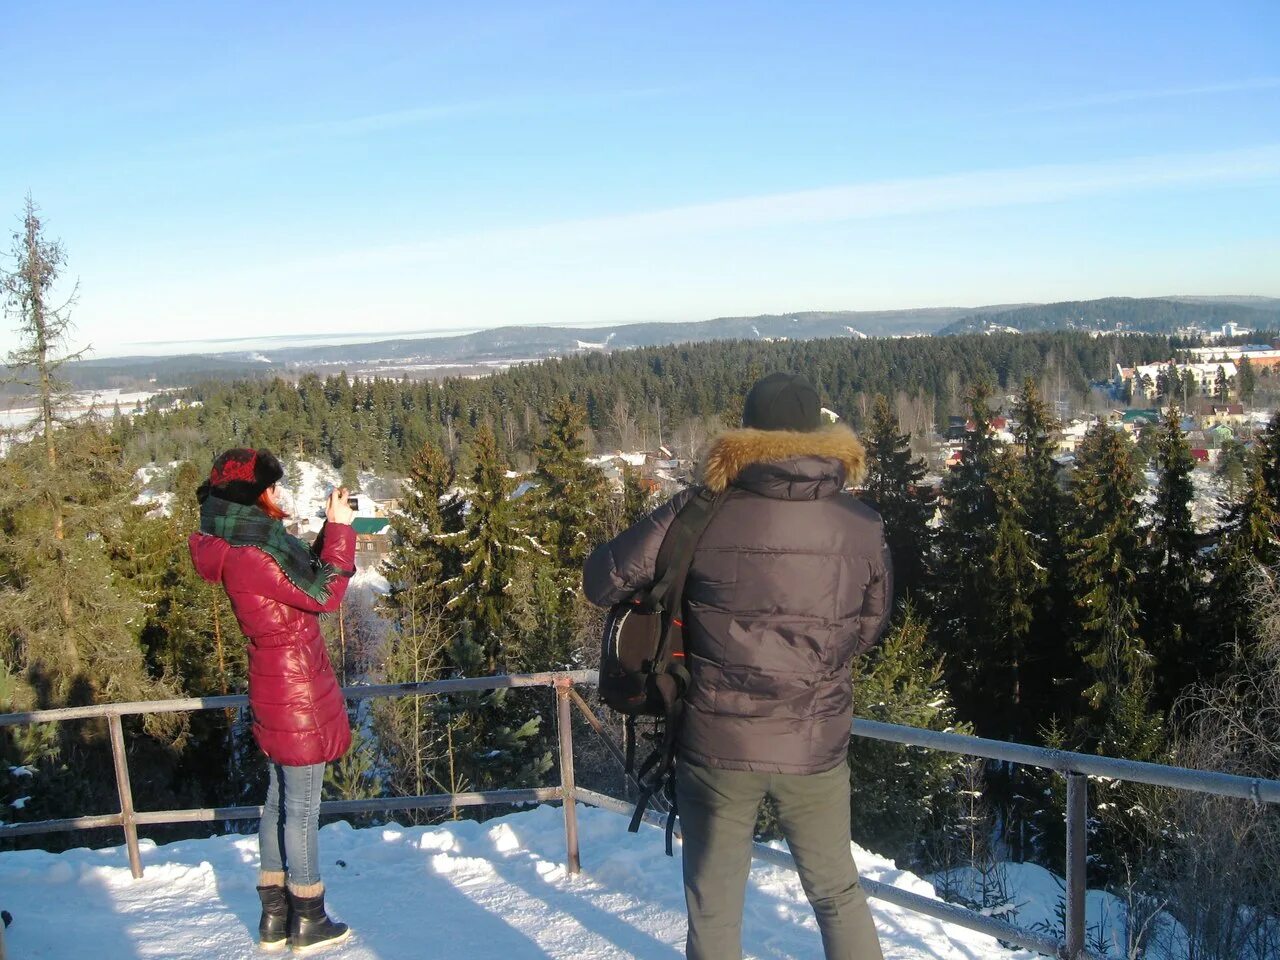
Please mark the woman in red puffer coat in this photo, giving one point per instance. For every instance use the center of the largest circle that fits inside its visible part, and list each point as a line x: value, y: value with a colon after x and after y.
x: 278, y: 586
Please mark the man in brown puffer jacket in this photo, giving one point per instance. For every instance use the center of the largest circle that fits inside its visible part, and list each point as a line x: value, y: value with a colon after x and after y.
x: 789, y: 583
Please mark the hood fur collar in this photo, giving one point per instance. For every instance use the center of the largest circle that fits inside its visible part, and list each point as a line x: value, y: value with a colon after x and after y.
x: 736, y: 450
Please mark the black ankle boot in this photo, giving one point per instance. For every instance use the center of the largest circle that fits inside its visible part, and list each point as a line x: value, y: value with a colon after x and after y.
x: 273, y: 928
x: 310, y: 927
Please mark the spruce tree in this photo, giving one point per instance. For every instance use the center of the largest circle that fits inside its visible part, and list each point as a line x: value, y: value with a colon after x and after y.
x: 490, y: 550
x: 1232, y: 468
x: 1246, y: 380
x: 64, y: 496
x: 1249, y: 537
x: 99, y: 657
x: 1105, y: 555
x: 1171, y: 578
x: 1048, y: 663
x: 570, y: 496
x: 1268, y: 447
x: 422, y: 550
x: 1119, y: 719
x: 412, y: 734
x: 1043, y: 498
x: 568, y: 513
x: 494, y: 737
x: 1015, y: 581
x: 892, y: 486
x: 966, y: 543
x: 902, y: 798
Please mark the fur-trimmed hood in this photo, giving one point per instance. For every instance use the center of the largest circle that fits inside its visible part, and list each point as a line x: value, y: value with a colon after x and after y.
x: 733, y: 452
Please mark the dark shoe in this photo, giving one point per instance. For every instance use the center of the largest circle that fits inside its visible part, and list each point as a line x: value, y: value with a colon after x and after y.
x: 273, y: 928
x: 310, y: 927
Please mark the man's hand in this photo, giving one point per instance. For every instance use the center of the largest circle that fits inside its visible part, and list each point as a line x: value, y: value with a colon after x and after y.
x: 337, y: 510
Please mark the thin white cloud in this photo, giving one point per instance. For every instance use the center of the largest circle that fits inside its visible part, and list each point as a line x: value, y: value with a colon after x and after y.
x: 390, y: 120
x: 1021, y: 186
x: 410, y: 117
x: 1162, y: 93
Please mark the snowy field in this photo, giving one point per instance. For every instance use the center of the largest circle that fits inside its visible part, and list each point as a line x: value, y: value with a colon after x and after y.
x: 480, y: 891
x: 102, y: 401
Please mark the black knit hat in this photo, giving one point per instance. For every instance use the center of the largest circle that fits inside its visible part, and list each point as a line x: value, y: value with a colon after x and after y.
x: 241, y: 475
x: 783, y: 401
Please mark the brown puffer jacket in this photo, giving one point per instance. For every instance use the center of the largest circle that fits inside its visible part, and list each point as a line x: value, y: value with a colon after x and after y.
x: 791, y: 581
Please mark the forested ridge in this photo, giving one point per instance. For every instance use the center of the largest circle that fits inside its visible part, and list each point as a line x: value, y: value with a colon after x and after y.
x: 1150, y: 315
x: 628, y: 396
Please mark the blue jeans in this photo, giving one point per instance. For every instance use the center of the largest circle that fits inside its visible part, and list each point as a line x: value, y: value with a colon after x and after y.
x: 287, y: 834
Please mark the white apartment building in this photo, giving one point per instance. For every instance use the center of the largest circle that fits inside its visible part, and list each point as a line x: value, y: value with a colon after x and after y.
x: 1145, y: 376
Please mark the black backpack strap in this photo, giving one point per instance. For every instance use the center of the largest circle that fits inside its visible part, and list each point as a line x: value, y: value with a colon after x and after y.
x: 655, y: 775
x: 672, y: 809
x: 647, y: 791
x: 675, y: 556
x: 629, y: 740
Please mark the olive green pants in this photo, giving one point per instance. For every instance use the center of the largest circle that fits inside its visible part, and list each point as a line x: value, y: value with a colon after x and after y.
x: 717, y: 819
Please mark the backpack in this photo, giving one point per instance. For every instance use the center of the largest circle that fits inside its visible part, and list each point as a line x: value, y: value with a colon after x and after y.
x: 642, y: 671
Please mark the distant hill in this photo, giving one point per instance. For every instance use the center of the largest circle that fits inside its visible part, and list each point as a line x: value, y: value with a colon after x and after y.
x: 1146, y: 315
x: 509, y: 343
x: 506, y: 343
x: 463, y: 352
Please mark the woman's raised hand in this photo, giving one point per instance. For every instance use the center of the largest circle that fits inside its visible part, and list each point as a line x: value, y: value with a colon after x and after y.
x: 337, y: 510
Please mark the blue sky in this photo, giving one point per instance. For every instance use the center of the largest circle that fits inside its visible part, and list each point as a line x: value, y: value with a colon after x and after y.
x: 286, y: 168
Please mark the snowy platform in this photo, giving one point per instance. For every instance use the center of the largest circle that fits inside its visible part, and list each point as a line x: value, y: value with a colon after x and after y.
x: 481, y: 891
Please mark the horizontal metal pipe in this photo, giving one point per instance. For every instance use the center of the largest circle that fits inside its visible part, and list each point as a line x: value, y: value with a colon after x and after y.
x: 203, y: 815
x: 938, y: 909
x: 456, y: 685
x: 60, y: 826
x: 465, y: 684
x: 435, y: 801
x: 441, y: 800
x: 375, y: 805
x: 1180, y: 778
x: 103, y: 710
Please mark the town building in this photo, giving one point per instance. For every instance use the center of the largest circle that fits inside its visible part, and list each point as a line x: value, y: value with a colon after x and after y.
x: 1143, y: 378
x: 373, y: 540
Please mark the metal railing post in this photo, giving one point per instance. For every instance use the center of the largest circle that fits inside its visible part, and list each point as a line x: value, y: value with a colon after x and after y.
x: 564, y: 720
x: 126, y: 794
x: 1077, y: 822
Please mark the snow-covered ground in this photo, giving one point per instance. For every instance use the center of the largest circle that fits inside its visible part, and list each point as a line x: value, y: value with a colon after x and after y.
x: 481, y: 891
x: 1037, y: 901
x: 305, y: 500
x: 101, y: 401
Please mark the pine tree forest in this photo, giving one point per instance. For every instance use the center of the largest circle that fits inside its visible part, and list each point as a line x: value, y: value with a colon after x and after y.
x: 1069, y: 602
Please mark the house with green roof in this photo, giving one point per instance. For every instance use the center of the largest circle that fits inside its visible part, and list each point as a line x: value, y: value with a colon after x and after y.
x: 373, y: 540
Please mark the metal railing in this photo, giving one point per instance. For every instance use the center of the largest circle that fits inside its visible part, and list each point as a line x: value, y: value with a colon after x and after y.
x: 129, y: 818
x: 1077, y: 768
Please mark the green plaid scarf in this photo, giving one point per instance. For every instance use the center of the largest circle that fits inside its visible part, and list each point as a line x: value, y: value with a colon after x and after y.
x: 249, y: 526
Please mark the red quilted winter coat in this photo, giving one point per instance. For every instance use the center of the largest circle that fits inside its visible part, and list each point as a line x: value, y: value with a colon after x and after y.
x: 299, y: 717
